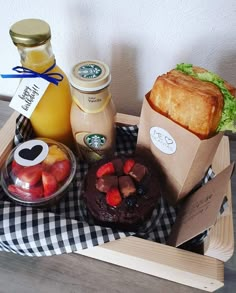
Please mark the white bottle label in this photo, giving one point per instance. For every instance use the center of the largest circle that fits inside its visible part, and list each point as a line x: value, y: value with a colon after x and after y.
x: 28, y: 95
x: 163, y: 140
x: 92, y: 103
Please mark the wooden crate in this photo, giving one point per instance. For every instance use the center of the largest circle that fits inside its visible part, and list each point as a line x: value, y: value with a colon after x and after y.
x: 202, y: 271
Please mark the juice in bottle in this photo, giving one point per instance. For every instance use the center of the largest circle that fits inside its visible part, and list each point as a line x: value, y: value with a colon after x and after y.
x: 51, y: 117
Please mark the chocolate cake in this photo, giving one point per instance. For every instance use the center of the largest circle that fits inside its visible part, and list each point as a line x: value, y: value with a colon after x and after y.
x: 121, y: 192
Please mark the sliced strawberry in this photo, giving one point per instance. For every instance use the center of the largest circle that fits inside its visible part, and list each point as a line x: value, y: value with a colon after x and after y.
x: 128, y: 165
x: 106, y: 169
x: 33, y: 193
x: 61, y: 170
x: 113, y: 197
x: 30, y: 175
x: 45, y: 167
x: 49, y: 183
x: 15, y: 167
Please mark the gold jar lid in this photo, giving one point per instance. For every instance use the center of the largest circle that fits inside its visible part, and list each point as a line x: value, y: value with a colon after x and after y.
x: 30, y: 32
x: 89, y: 76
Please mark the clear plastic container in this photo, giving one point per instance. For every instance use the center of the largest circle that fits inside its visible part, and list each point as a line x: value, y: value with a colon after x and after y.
x: 38, y: 172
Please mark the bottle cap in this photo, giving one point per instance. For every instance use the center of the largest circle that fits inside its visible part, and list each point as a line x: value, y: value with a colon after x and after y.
x: 30, y: 32
x: 89, y: 76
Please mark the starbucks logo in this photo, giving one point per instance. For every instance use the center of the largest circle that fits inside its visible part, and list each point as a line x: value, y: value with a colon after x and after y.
x: 95, y: 141
x: 90, y: 71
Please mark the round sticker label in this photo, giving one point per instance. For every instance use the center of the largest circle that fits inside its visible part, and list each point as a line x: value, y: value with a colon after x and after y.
x: 31, y: 152
x: 163, y: 140
x: 90, y: 71
x: 95, y: 141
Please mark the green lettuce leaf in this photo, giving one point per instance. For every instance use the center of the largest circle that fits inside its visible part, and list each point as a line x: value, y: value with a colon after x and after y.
x: 228, y: 118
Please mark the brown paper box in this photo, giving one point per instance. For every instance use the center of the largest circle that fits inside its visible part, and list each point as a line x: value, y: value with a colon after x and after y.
x: 200, y: 211
x: 184, y: 157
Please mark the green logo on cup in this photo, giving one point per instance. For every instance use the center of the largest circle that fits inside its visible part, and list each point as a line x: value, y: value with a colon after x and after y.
x: 90, y: 71
x: 95, y: 141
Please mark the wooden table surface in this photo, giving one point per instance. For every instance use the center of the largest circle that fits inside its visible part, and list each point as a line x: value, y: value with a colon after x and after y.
x: 70, y: 273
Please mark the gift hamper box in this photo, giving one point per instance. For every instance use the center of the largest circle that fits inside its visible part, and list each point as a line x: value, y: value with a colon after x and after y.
x: 186, y: 230
x: 36, y: 232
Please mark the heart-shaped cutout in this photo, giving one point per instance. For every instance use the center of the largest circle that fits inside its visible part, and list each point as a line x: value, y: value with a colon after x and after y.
x: 31, y: 154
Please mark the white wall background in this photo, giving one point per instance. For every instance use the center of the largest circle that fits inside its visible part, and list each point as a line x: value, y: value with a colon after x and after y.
x: 138, y: 39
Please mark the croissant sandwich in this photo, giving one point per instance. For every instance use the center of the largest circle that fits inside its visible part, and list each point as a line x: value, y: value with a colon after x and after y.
x: 196, y: 99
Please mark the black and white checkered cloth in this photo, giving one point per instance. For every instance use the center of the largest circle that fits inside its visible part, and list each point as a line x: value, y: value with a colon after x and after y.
x: 63, y: 228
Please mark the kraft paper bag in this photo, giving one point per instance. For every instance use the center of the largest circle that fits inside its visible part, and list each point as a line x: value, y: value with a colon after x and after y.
x: 183, y: 156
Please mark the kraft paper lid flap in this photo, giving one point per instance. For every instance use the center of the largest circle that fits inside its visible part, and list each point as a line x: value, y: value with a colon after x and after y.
x: 200, y: 211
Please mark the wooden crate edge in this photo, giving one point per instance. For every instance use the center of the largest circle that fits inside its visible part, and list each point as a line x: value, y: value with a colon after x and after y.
x: 6, y: 137
x: 161, y: 261
x: 126, y: 119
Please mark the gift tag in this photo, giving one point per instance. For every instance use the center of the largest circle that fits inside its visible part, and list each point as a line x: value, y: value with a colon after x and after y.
x: 200, y: 210
x: 28, y: 95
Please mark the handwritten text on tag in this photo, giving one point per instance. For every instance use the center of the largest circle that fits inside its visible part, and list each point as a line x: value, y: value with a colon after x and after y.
x: 28, y: 95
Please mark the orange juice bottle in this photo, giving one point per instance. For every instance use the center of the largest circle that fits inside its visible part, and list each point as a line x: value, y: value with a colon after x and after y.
x: 51, y: 117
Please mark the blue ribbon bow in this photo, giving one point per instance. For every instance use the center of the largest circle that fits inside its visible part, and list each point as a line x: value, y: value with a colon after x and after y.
x: 53, y: 77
